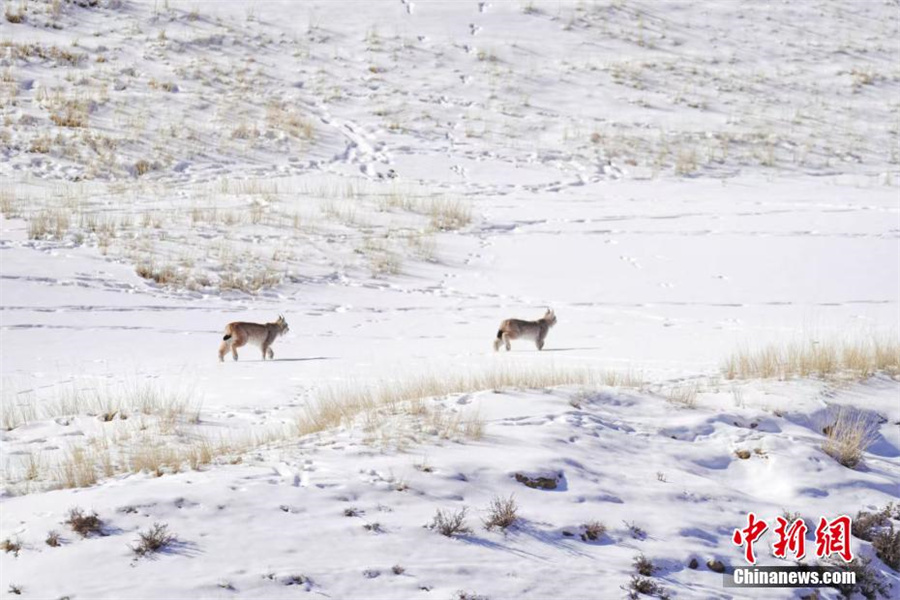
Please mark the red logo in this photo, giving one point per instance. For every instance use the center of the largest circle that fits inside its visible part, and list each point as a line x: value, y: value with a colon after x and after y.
x: 791, y: 538
x: 832, y: 537
x: 749, y: 535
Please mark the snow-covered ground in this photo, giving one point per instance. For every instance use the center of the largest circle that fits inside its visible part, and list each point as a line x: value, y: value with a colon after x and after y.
x: 678, y: 181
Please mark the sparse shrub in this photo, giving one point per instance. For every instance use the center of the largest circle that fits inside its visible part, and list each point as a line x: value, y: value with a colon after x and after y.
x: 865, y: 523
x: 398, y: 570
x: 163, y: 275
x: 424, y: 467
x: 73, y: 114
x: 869, y: 582
x: 84, y: 524
x: 646, y: 586
x: 643, y: 565
x: 17, y: 16
x: 153, y: 540
x: 11, y: 546
x: 15, y: 589
x: 887, y: 547
x: 636, y: 532
x: 790, y: 517
x: 449, y: 215
x: 593, y: 531
x: 142, y: 167
x: 373, y: 527
x: 352, y: 512
x: 685, y: 395
x: 850, y: 436
x: 448, y: 524
x: 502, y: 513
x: 464, y: 595
x: 48, y: 224
x: 53, y: 540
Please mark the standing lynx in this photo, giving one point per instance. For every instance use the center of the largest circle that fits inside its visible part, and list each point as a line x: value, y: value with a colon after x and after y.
x: 512, y: 329
x: 263, y: 335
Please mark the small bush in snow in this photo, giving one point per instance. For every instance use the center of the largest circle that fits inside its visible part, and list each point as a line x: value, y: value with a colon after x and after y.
x: 373, y: 527
x: 887, y: 547
x: 9, y: 545
x: 593, y: 531
x: 82, y: 524
x: 643, y: 565
x: 646, y: 586
x: 153, y: 540
x: 865, y: 523
x: 463, y: 595
x: 53, y: 539
x: 869, y: 582
x: 450, y: 524
x: 850, y: 436
x: 502, y: 513
x: 636, y: 532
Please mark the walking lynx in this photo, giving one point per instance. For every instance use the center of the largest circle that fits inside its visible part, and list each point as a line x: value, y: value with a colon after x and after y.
x: 263, y: 335
x: 512, y: 329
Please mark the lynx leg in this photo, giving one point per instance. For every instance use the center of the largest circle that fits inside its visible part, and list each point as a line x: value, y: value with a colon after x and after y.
x: 497, y: 343
x: 223, y: 349
x: 506, y: 341
x: 234, y: 351
x: 271, y: 354
x: 540, y: 343
x: 265, y: 350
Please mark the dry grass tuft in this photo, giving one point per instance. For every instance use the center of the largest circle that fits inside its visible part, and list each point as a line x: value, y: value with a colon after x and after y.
x: 84, y: 524
x: 77, y: 469
x: 11, y: 546
x: 15, y: 17
x: 684, y: 395
x: 502, y: 513
x: 155, y: 539
x: 593, y: 531
x: 887, y: 547
x: 376, y: 403
x: 73, y: 114
x: 849, y: 436
x: 449, y: 215
x: 53, y: 539
x: 448, y: 524
x: 643, y: 565
x: 865, y: 523
x: 48, y: 224
x: 858, y: 359
x: 645, y: 586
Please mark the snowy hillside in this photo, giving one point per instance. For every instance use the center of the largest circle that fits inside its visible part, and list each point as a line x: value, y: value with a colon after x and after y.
x: 705, y: 194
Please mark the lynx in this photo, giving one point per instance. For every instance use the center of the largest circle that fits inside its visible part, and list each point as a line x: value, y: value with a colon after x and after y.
x: 512, y: 329
x: 263, y: 335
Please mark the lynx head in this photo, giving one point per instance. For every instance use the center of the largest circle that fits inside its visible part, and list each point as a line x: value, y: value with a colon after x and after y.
x: 282, y: 324
x: 549, y: 317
